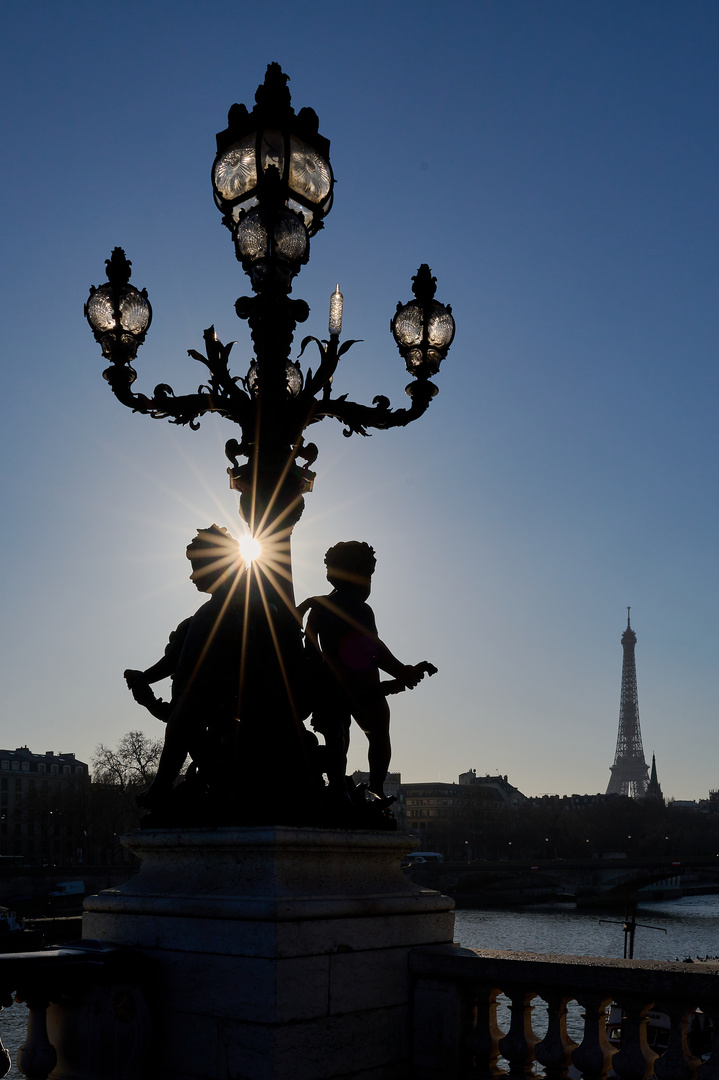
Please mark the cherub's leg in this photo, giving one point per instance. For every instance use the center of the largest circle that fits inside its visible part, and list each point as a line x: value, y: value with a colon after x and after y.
x: 374, y: 721
x: 334, y: 726
x: 172, y: 757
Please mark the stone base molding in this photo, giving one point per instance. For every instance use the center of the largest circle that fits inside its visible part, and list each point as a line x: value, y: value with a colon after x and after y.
x: 282, y: 953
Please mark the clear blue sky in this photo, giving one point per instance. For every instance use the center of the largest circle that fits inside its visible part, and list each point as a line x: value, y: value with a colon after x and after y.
x: 556, y: 164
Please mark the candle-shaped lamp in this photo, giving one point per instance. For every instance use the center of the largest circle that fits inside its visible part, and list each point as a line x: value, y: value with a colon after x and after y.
x: 336, y: 303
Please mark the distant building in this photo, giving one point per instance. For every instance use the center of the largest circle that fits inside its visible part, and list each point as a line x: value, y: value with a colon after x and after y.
x: 432, y: 806
x: 450, y: 816
x: 494, y: 788
x: 43, y: 800
x: 654, y: 790
x: 573, y: 802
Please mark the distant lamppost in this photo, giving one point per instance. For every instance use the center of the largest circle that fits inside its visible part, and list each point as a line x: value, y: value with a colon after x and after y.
x: 273, y: 183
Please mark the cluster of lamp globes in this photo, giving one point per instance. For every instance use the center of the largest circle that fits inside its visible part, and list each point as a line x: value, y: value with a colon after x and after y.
x: 273, y: 187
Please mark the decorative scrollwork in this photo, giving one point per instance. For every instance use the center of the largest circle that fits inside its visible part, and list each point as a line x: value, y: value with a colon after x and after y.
x: 357, y: 418
x: 272, y: 405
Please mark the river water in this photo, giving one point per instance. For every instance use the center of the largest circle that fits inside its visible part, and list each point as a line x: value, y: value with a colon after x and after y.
x: 687, y: 927
x: 691, y: 925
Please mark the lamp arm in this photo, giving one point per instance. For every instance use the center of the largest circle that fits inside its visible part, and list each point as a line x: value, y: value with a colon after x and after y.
x: 223, y: 395
x: 164, y: 404
x: 185, y: 409
x: 357, y: 418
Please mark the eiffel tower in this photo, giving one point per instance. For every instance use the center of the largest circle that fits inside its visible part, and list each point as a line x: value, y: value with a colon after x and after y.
x: 629, y: 771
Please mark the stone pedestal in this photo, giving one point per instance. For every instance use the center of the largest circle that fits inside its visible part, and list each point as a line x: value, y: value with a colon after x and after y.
x: 282, y: 953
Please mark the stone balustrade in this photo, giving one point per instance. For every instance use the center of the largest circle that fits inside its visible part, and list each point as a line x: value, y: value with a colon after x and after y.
x: 87, y: 1014
x: 456, y: 1033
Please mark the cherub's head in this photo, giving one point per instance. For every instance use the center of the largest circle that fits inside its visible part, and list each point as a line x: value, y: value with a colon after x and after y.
x: 215, y: 558
x: 350, y: 565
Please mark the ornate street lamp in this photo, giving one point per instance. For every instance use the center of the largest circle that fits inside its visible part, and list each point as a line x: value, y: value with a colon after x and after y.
x: 423, y: 328
x: 273, y: 183
x: 118, y: 314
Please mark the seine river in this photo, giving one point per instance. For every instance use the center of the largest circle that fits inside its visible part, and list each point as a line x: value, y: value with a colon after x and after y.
x: 691, y: 925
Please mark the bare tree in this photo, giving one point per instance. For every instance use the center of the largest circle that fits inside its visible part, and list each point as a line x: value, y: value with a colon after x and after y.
x: 119, y: 773
x: 131, y: 765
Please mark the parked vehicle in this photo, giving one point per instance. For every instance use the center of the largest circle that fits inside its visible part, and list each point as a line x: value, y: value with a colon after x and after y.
x: 68, y: 888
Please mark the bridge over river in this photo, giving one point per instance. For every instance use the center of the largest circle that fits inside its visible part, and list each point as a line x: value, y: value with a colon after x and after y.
x: 589, y: 882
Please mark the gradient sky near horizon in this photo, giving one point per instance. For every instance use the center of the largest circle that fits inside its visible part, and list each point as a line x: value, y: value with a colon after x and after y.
x: 556, y: 164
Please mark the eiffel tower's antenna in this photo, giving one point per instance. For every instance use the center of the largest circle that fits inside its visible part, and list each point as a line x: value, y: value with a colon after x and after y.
x: 629, y: 771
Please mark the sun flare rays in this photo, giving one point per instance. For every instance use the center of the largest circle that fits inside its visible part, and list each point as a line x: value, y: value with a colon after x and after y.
x: 250, y: 548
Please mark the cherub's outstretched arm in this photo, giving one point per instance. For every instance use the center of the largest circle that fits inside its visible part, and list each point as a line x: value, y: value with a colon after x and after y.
x: 407, y: 674
x: 139, y: 682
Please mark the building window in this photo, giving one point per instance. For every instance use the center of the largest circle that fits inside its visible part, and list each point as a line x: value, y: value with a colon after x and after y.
x: 26, y: 766
x: 67, y: 769
x: 4, y: 785
x: 41, y: 767
x: 53, y: 769
x: 6, y: 764
x: 79, y: 770
x: 16, y: 766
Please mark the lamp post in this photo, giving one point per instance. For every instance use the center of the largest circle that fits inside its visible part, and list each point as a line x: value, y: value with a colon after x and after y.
x: 273, y: 183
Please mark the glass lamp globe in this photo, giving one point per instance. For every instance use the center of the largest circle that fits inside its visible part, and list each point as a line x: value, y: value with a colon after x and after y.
x: 293, y: 379
x: 423, y: 328
x: 305, y: 175
x: 117, y: 312
x: 262, y: 235
x: 272, y: 159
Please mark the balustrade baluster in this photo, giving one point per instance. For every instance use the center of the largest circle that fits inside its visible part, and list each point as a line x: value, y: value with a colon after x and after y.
x: 518, y: 1044
x: 554, y: 1051
x: 593, y: 983
x: 5, y: 1059
x: 482, y: 1042
x: 36, y: 1058
x: 709, y: 1070
x: 634, y: 1061
x: 677, y: 1062
x: 593, y: 1056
